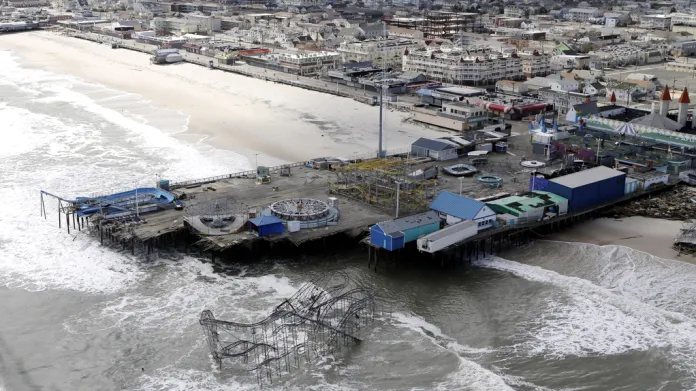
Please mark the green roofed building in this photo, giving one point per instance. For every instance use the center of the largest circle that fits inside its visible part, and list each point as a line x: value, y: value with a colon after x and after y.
x: 531, y: 206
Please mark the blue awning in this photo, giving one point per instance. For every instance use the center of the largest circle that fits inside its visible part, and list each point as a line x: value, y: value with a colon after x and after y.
x: 265, y: 220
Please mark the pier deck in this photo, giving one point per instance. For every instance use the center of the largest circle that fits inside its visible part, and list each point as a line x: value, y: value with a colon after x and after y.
x: 375, y: 201
x: 246, y: 193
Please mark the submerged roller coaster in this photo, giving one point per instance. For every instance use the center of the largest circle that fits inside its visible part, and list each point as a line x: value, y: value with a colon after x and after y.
x: 326, y: 314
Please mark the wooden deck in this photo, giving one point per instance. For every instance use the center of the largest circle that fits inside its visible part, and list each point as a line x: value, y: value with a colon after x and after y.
x: 246, y: 193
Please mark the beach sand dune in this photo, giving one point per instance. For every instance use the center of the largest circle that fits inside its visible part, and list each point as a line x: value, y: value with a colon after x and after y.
x: 233, y: 112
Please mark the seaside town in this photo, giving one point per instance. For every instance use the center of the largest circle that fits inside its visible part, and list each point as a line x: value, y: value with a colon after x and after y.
x: 535, y: 118
x: 549, y: 112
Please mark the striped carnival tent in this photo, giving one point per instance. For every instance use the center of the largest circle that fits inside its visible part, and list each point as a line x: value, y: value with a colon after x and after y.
x: 626, y: 128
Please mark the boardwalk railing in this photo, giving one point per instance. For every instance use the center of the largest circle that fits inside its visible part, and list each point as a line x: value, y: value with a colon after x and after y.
x: 252, y: 173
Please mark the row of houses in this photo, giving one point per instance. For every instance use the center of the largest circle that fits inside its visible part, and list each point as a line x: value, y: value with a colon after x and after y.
x: 453, y: 218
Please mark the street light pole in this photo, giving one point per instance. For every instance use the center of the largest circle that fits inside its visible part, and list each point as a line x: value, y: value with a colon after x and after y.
x: 137, y: 215
x: 256, y: 162
x: 398, y: 188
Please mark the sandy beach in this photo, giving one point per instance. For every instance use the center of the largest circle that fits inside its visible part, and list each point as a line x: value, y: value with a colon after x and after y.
x: 654, y: 236
x: 232, y: 112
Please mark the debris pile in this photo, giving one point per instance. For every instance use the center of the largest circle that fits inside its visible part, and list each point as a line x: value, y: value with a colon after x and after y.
x: 675, y: 204
x: 685, y: 242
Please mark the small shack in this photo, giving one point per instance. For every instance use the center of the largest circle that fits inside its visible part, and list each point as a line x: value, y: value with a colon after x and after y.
x: 455, y: 208
x: 266, y: 225
x: 436, y: 149
x: 394, y: 234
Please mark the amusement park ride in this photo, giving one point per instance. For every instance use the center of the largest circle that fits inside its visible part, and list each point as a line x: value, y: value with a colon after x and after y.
x: 326, y: 314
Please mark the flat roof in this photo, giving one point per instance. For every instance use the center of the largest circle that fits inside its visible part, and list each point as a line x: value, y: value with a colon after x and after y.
x: 460, y: 90
x: 588, y: 176
x: 647, y: 174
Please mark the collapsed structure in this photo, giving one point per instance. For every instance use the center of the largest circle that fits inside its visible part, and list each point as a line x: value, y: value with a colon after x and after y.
x: 327, y: 313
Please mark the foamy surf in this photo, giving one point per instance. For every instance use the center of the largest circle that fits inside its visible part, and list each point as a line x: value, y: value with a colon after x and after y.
x: 470, y: 375
x: 54, y: 145
x: 665, y: 283
x: 583, y: 319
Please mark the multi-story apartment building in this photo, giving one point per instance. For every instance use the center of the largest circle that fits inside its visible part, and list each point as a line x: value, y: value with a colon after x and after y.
x: 535, y: 64
x: 190, y: 7
x: 188, y: 24
x: 563, y: 100
x: 462, y: 67
x: 305, y: 63
x: 657, y: 22
x: 682, y: 19
x: 400, y: 32
x: 302, y: 3
x: 583, y: 14
x: 513, y: 12
x: 387, y: 51
x: 26, y: 3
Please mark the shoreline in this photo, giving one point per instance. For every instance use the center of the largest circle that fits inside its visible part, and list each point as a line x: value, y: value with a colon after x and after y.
x: 242, y: 114
x: 650, y: 235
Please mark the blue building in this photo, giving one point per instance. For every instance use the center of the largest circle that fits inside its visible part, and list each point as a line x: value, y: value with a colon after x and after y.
x: 266, y: 225
x: 394, y: 234
x: 455, y: 208
x: 589, y: 188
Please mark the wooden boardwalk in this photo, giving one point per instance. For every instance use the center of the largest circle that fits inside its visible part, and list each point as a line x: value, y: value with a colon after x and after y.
x: 246, y: 194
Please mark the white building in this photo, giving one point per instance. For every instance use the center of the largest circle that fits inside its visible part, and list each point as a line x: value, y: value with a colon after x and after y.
x: 535, y: 64
x: 513, y: 12
x: 401, y: 32
x: 682, y: 19
x: 26, y: 3
x: 657, y: 22
x: 194, y: 24
x: 565, y: 85
x: 302, y: 3
x: 454, y: 66
x: 305, y: 63
x: 564, y: 101
x: 147, y: 8
x: 583, y: 14
x: 387, y: 51
x: 616, y: 19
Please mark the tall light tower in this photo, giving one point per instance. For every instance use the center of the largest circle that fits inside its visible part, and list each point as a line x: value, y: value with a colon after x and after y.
x: 380, y: 152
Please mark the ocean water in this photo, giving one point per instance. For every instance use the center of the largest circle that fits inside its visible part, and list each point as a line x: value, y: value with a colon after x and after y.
x: 78, y: 316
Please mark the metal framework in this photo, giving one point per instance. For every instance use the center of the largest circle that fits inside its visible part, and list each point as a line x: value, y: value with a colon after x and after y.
x: 215, y: 216
x: 326, y: 314
x: 382, y: 182
x: 300, y: 209
x: 685, y: 242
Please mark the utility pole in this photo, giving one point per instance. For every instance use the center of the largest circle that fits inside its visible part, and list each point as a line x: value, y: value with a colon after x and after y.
x: 398, y: 188
x: 381, y: 100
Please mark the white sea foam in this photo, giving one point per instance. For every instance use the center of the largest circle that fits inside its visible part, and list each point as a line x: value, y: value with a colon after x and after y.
x: 59, y: 139
x: 186, y: 287
x: 584, y: 319
x: 470, y: 374
x: 665, y: 283
x: 177, y: 379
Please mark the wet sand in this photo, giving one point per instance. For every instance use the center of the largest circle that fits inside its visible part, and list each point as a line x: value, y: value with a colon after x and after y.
x: 654, y: 236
